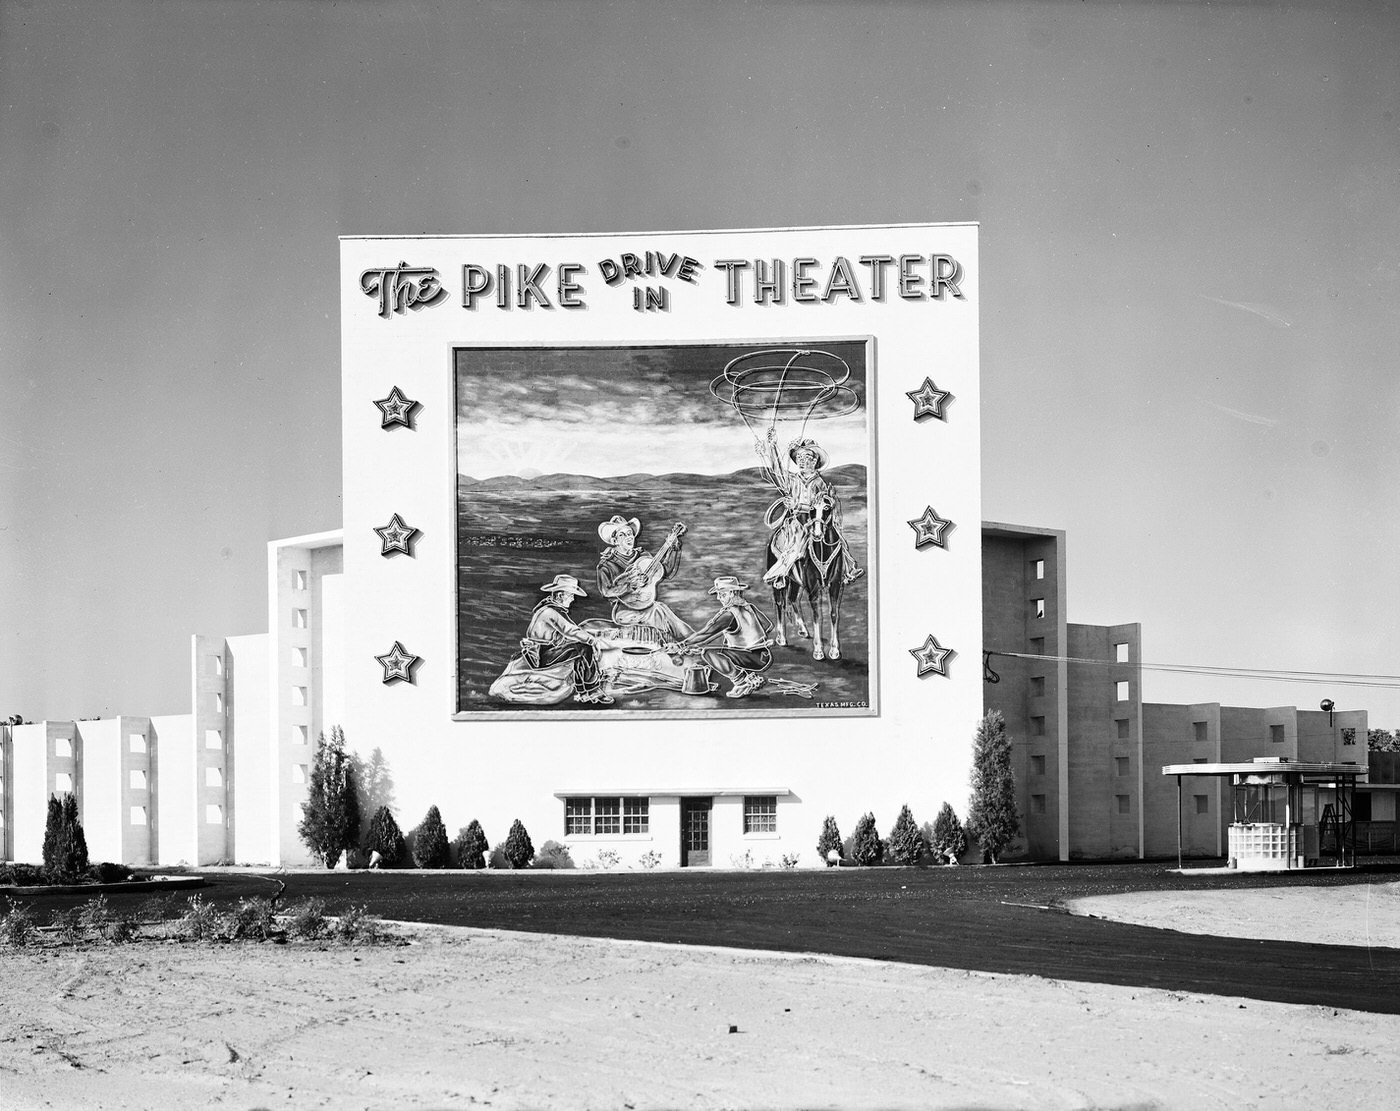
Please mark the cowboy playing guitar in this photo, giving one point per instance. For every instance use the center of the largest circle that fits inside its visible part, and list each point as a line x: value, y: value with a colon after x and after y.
x: 628, y: 576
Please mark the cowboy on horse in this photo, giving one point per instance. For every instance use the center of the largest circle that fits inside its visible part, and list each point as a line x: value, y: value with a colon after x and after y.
x: 808, y: 506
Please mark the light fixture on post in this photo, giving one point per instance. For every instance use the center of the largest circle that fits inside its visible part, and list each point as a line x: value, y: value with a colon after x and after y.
x: 1328, y: 705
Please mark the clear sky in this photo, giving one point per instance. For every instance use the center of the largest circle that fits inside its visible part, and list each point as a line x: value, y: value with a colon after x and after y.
x: 1190, y: 262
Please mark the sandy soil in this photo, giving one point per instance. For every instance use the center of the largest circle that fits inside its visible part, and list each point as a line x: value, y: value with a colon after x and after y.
x: 462, y: 1018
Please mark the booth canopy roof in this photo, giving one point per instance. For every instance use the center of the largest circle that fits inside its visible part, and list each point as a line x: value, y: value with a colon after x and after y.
x: 1269, y: 767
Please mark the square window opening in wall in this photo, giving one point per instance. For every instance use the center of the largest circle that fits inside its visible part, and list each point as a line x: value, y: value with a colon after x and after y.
x: 298, y: 619
x: 299, y: 773
x: 213, y: 777
x: 1202, y: 804
x: 1037, y: 686
x: 1038, y: 607
x: 1276, y: 734
x: 1038, y: 568
x: 1121, y: 690
x: 1037, y: 727
x: 607, y: 816
x: 1125, y: 803
x: 138, y: 816
x: 62, y: 748
x: 1120, y: 766
x: 578, y: 817
x: 63, y: 783
x: 298, y: 696
x: 760, y: 813
x: 1198, y: 731
x: 1037, y: 765
x: 301, y: 657
x: 298, y: 580
x: 136, y: 779
x: 1037, y: 804
x: 218, y: 703
x: 1037, y: 646
x: 1123, y: 728
x: 214, y: 814
x: 301, y: 734
x: 216, y: 664
x: 137, y: 742
x: 1120, y: 652
x: 213, y: 738
x: 636, y: 815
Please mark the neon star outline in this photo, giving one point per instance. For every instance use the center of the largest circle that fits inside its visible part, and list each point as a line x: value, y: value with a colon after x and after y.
x: 933, y: 657
x: 929, y: 401
x: 397, y: 664
x: 397, y: 536
x: 396, y: 409
x: 929, y: 529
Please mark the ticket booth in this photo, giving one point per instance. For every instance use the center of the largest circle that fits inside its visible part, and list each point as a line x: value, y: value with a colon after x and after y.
x: 1285, y: 814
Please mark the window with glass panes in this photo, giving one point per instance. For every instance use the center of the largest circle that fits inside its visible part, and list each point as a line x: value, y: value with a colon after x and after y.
x: 607, y: 816
x: 760, y: 813
x: 636, y: 816
x: 578, y: 817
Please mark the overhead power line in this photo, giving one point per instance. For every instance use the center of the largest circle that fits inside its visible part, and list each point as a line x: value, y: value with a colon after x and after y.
x: 1337, y: 678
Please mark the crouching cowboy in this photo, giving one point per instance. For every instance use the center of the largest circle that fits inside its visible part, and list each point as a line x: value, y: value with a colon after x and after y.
x: 552, y: 638
x: 734, y: 642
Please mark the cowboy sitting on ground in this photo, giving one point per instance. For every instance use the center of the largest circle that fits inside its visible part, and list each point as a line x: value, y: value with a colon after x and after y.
x: 628, y: 576
x: 552, y: 638
x: 809, y: 502
x: 734, y: 642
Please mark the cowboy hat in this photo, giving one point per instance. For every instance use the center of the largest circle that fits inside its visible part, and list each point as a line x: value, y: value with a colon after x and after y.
x: 807, y: 445
x: 609, y: 527
x: 727, y: 582
x: 564, y: 584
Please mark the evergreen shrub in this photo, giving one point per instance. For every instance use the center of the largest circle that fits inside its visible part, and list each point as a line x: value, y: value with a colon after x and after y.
x: 430, y: 848
x: 906, y: 839
x: 948, y: 838
x: 866, y: 846
x: 386, y: 839
x: 830, y: 839
x: 518, y: 849
x: 472, y: 846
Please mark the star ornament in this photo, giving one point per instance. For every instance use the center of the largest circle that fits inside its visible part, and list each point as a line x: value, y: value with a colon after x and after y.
x: 396, y: 536
x: 929, y: 401
x: 929, y: 529
x: 396, y: 409
x: 397, y: 664
x: 933, y: 657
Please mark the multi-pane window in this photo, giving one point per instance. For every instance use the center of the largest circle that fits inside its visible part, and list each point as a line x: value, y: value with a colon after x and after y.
x: 578, y: 817
x: 636, y: 815
x: 607, y: 816
x: 760, y: 813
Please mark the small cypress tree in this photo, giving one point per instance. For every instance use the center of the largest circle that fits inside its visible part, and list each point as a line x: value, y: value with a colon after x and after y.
x: 949, y: 840
x: 330, y: 816
x: 866, y: 846
x: 906, y: 839
x: 385, y: 838
x: 472, y: 846
x: 830, y: 839
x: 518, y: 849
x: 430, y: 848
x: 53, y: 836
x: 992, y: 816
x: 75, y: 863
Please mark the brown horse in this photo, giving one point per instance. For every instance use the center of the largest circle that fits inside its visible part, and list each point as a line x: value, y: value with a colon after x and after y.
x: 819, y: 574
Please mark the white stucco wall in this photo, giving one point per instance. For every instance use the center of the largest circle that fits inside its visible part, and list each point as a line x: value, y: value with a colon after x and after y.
x: 916, y: 750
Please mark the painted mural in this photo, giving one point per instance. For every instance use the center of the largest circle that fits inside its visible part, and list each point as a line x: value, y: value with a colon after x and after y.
x: 676, y: 531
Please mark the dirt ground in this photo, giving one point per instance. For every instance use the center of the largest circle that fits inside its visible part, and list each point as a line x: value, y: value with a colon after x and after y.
x: 461, y: 1018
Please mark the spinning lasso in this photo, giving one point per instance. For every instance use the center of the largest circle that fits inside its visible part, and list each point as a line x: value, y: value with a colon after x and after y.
x: 753, y: 386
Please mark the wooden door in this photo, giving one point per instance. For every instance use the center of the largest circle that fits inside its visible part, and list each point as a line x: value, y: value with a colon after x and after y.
x: 695, y: 833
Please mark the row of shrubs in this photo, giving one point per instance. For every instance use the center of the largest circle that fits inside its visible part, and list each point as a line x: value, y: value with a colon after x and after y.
x: 386, y: 846
x: 252, y: 919
x: 942, y: 842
